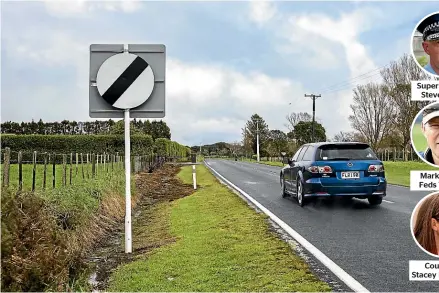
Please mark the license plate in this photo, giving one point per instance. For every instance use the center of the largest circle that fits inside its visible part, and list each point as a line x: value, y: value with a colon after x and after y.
x: 350, y: 175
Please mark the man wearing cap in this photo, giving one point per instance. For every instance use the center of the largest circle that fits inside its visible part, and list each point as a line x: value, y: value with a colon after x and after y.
x: 429, y: 28
x: 430, y: 129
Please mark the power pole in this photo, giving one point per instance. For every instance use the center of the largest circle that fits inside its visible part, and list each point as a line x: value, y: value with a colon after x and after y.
x: 245, y: 141
x: 313, y: 97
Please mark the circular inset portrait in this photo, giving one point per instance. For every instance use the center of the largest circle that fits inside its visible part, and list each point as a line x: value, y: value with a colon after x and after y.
x: 425, y: 44
x: 425, y: 134
x: 424, y: 224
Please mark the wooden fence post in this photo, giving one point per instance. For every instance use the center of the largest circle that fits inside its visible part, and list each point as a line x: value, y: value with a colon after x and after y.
x: 82, y: 166
x: 88, y: 174
x: 64, y: 169
x: 132, y: 164
x: 20, y: 171
x: 6, y: 166
x: 71, y: 167
x: 93, y: 166
x: 34, y: 170
x: 53, y: 170
x: 76, y: 173
x: 45, y: 171
x: 97, y: 165
x: 105, y: 161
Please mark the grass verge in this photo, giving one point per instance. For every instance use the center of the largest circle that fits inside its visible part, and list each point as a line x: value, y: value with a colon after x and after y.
x: 221, y: 245
x: 399, y: 172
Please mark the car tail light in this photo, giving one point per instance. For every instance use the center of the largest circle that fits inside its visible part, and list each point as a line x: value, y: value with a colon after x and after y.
x: 320, y: 169
x: 376, y: 168
x: 325, y: 169
x: 313, y: 169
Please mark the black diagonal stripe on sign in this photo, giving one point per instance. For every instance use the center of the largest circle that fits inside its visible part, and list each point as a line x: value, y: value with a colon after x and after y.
x: 124, y: 81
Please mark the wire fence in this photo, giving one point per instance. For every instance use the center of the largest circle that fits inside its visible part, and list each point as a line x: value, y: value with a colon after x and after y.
x: 71, y: 167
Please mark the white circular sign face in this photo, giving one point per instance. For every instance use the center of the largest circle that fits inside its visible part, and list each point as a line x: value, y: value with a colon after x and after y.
x: 125, y: 81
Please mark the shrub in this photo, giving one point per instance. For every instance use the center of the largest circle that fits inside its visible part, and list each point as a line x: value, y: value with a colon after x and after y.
x: 140, y: 144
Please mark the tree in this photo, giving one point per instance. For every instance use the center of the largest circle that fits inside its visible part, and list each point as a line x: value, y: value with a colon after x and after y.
x: 373, y: 112
x: 65, y: 126
x: 74, y: 127
x: 397, y: 78
x: 391, y: 140
x: 159, y: 129
x: 235, y: 148
x: 147, y: 127
x: 249, y: 134
x: 33, y: 127
x: 344, y: 136
x: 278, y: 142
x: 295, y: 118
x: 119, y: 128
x: 303, y: 132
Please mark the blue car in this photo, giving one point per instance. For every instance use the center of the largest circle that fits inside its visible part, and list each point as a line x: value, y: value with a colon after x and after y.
x: 329, y: 169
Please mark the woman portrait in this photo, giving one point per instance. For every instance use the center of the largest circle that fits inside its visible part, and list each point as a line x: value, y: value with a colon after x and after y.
x: 426, y: 224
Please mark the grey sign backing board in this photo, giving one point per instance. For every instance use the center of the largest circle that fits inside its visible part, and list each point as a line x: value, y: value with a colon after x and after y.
x: 154, y: 54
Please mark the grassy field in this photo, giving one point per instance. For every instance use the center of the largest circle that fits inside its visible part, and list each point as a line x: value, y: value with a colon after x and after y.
x: 222, y: 245
x: 81, y: 198
x: 399, y: 172
x: 419, y: 141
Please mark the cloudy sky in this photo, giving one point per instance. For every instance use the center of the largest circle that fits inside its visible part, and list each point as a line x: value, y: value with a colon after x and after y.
x: 225, y: 60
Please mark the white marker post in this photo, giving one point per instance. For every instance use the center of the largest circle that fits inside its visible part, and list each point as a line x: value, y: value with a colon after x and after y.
x: 194, y: 176
x: 126, y: 81
x: 128, y: 241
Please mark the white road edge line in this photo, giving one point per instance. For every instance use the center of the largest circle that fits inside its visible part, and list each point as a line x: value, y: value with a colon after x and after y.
x: 332, y: 266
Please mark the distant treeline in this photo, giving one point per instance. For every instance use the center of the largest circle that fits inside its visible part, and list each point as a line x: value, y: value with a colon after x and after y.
x: 157, y: 129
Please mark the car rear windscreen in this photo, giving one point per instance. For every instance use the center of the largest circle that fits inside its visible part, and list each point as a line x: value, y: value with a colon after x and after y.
x: 345, y: 152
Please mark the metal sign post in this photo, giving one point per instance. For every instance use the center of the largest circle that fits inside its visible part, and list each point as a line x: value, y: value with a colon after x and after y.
x: 128, y: 240
x: 122, y: 83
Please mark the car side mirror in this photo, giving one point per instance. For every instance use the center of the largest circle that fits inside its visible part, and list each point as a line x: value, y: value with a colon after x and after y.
x: 290, y: 161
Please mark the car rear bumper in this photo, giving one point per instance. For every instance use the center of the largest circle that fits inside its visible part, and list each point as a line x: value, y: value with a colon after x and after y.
x: 313, y: 187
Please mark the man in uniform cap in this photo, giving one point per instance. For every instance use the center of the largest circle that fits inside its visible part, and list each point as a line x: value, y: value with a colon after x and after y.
x: 429, y: 28
x: 430, y: 129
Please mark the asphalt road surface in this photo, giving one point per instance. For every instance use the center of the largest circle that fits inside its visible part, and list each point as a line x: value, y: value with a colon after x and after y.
x: 372, y: 244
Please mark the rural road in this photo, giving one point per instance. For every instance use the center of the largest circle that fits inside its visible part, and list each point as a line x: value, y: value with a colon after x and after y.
x: 372, y: 244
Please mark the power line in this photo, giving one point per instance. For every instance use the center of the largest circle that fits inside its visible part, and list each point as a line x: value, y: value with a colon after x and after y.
x: 345, y: 84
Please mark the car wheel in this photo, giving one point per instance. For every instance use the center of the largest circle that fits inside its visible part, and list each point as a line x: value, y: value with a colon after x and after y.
x: 375, y: 200
x: 299, y: 195
x: 282, y: 187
